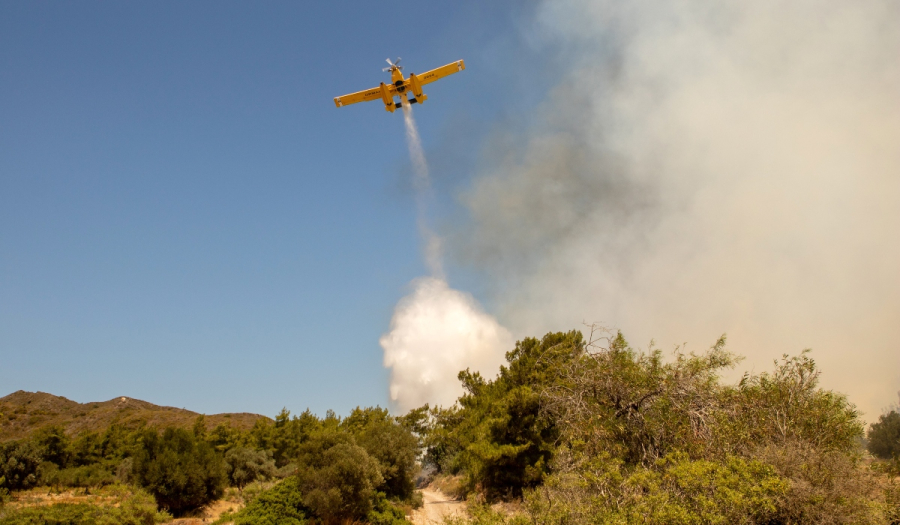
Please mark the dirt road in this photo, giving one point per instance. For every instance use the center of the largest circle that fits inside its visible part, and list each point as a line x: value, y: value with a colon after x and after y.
x: 437, y: 507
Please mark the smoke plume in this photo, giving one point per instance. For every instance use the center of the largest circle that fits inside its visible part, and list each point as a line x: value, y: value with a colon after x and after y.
x: 436, y: 331
x: 708, y: 168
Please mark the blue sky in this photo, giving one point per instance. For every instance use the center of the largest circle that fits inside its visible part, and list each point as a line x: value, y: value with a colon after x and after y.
x: 186, y: 218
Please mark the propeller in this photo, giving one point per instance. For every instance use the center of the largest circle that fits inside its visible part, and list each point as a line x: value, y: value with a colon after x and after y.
x: 393, y: 65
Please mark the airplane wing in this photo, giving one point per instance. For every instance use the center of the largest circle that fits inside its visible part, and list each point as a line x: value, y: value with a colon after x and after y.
x: 362, y: 96
x: 436, y: 74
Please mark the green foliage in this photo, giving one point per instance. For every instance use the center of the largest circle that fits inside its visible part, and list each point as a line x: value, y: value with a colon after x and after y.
x: 346, y: 469
x: 385, y: 512
x: 245, y: 465
x: 884, y: 436
x: 391, y: 444
x: 826, y: 486
x: 280, y: 505
x: 338, y: 478
x: 892, y: 503
x: 481, y: 514
x: 111, y: 446
x: 182, y: 472
x: 4, y: 493
x: 287, y: 435
x: 683, y: 491
x: 19, y: 462
x: 137, y: 509
x: 95, y: 475
x: 599, y: 432
x: 54, y: 444
x: 634, y: 404
x: 224, y: 437
x: 787, y: 406
x: 499, y: 437
x: 673, y: 490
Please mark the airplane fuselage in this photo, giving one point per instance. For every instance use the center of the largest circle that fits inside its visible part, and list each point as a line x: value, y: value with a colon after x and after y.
x: 400, y: 86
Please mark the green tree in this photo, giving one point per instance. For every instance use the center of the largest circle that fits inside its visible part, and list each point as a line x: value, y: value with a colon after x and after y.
x: 884, y: 436
x: 182, y: 472
x: 87, y: 449
x: 337, y: 477
x: 54, y: 444
x: 500, y: 438
x: 391, y: 444
x: 19, y: 462
x: 225, y: 437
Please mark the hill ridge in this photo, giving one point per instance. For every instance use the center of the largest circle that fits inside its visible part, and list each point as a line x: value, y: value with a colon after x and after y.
x: 23, y: 412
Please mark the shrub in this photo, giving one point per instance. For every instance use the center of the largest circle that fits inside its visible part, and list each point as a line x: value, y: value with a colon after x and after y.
x: 338, y: 478
x: 674, y: 490
x: 245, y: 465
x: 4, y: 494
x: 385, y: 512
x: 884, y: 436
x: 137, y: 509
x: 280, y: 505
x: 826, y: 486
x: 183, y: 473
x: 94, y: 475
x: 390, y: 443
x: 19, y: 462
x: 787, y: 406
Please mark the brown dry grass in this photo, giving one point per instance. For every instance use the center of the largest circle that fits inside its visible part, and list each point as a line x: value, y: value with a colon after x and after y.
x: 450, y: 485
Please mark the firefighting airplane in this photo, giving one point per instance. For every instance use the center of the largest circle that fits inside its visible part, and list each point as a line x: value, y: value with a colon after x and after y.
x: 400, y: 85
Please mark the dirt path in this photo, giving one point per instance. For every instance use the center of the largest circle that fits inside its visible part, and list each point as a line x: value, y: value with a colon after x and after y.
x: 208, y: 514
x: 437, y: 507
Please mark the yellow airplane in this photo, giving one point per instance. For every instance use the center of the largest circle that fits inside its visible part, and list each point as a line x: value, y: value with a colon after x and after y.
x: 400, y: 85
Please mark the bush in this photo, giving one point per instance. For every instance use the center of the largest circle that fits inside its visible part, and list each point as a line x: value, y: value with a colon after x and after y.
x: 826, y: 486
x: 280, y: 505
x: 604, y: 433
x: 137, y: 509
x: 182, y: 472
x: 19, y: 462
x: 674, y: 490
x: 390, y: 443
x: 245, y: 465
x: 96, y: 475
x: 4, y: 494
x: 384, y: 512
x: 884, y: 436
x: 339, y: 480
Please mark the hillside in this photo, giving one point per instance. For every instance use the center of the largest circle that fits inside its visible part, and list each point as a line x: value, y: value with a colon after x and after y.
x: 21, y: 413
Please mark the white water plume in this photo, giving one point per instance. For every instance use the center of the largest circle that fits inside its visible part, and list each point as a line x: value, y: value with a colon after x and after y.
x: 422, y: 186
x: 436, y: 331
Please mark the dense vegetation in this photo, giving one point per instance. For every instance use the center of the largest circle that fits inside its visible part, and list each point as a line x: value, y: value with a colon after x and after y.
x: 577, y: 430
x: 359, y: 467
x: 598, y: 432
x: 23, y: 412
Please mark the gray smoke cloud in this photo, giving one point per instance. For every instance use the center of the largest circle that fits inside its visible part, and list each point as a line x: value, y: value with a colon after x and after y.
x: 708, y: 168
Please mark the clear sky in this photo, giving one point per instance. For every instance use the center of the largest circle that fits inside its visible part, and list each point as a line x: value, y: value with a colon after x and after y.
x: 186, y: 218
